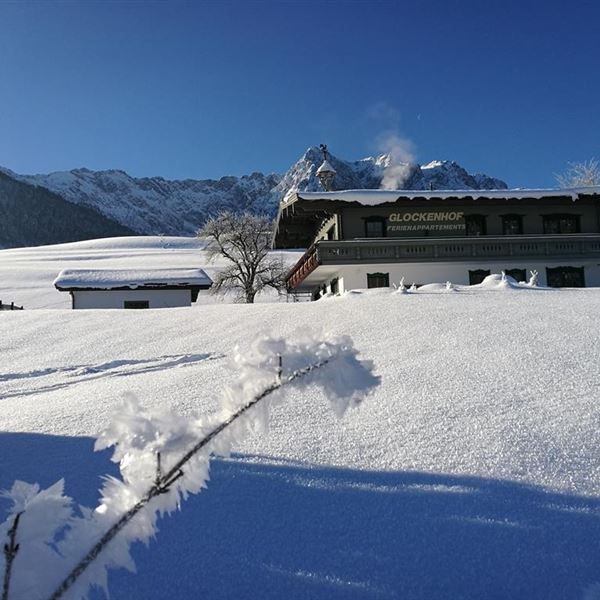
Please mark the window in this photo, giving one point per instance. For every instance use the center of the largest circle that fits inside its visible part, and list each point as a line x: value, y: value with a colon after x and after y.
x: 512, y: 224
x: 377, y: 280
x: 331, y: 233
x: 136, y: 304
x: 565, y: 277
x: 477, y: 276
x: 335, y: 286
x: 375, y: 227
x: 475, y: 224
x: 561, y: 224
x: 517, y: 274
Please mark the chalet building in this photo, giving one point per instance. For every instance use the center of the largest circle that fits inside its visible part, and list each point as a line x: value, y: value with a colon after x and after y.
x: 373, y: 238
x: 132, y: 288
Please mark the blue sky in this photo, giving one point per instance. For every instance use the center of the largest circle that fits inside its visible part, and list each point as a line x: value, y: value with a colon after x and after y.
x: 205, y: 89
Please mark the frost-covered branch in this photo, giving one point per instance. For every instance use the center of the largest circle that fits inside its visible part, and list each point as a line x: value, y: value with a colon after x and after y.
x: 10, y: 551
x: 580, y: 174
x: 164, y: 482
x: 41, y: 517
x: 164, y: 457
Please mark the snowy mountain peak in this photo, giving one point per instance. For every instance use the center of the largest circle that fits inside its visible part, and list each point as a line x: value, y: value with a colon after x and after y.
x: 154, y: 205
x: 436, y: 164
x: 370, y: 173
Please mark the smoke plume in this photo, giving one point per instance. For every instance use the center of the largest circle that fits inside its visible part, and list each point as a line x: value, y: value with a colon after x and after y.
x: 400, y: 151
x: 400, y: 162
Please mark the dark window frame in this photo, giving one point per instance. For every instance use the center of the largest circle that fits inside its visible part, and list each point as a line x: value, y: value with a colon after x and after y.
x: 558, y: 217
x: 375, y: 219
x: 515, y: 217
x: 139, y: 304
x: 560, y: 272
x: 476, y: 276
x: 483, y: 222
x: 521, y: 272
x: 384, y: 276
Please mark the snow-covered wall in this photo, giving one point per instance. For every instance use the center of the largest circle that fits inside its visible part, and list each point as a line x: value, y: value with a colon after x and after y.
x: 355, y: 277
x: 116, y: 298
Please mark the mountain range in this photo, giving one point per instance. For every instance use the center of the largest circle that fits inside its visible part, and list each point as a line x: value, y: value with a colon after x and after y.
x: 114, y: 203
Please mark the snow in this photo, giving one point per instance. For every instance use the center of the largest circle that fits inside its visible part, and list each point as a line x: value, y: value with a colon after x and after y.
x: 325, y: 168
x: 163, y: 458
x: 117, y: 278
x: 473, y: 471
x: 493, y: 282
x: 153, y: 205
x: 434, y: 164
x: 27, y: 274
x: 375, y: 197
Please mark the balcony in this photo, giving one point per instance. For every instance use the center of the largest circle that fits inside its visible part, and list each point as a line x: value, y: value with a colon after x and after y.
x: 303, y: 268
x: 484, y: 248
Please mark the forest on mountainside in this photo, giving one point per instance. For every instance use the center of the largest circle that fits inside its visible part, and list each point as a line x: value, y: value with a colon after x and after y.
x: 32, y: 215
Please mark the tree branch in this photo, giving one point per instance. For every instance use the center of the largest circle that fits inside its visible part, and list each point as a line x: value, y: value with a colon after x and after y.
x: 244, y: 241
x: 163, y: 482
x: 10, y: 551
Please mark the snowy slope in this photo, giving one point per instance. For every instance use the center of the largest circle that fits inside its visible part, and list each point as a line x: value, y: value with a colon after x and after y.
x: 472, y: 472
x: 27, y: 274
x: 153, y: 205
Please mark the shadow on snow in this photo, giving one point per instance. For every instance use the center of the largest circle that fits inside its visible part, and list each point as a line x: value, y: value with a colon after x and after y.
x: 289, y: 530
x: 114, y: 368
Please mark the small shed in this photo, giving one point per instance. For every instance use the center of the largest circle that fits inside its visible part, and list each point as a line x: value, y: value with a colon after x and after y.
x: 132, y: 288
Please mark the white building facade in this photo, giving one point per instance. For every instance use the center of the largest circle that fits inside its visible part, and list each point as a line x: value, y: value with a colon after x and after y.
x: 371, y: 238
x: 132, y: 288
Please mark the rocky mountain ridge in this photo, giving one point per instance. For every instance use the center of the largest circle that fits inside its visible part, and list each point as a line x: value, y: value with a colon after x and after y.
x: 154, y: 205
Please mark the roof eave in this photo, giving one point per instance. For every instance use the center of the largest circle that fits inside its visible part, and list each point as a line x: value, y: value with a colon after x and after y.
x: 132, y: 288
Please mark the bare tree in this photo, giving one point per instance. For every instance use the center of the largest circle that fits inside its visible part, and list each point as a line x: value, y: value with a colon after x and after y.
x: 244, y: 240
x: 580, y: 174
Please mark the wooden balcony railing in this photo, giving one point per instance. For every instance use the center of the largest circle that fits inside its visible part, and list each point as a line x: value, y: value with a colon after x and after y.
x: 393, y: 250
x: 452, y: 249
x: 303, y: 268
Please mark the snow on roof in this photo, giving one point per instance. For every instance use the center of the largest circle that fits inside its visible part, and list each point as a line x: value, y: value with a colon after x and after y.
x: 325, y: 167
x: 374, y: 197
x: 106, y: 279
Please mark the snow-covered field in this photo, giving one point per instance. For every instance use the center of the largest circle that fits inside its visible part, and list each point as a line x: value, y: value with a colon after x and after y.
x: 473, y: 471
x: 26, y: 274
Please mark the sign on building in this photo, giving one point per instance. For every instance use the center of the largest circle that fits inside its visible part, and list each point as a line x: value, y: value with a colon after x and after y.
x: 433, y: 221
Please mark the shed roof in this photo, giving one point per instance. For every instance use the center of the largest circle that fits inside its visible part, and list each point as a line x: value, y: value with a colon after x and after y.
x: 109, y: 279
